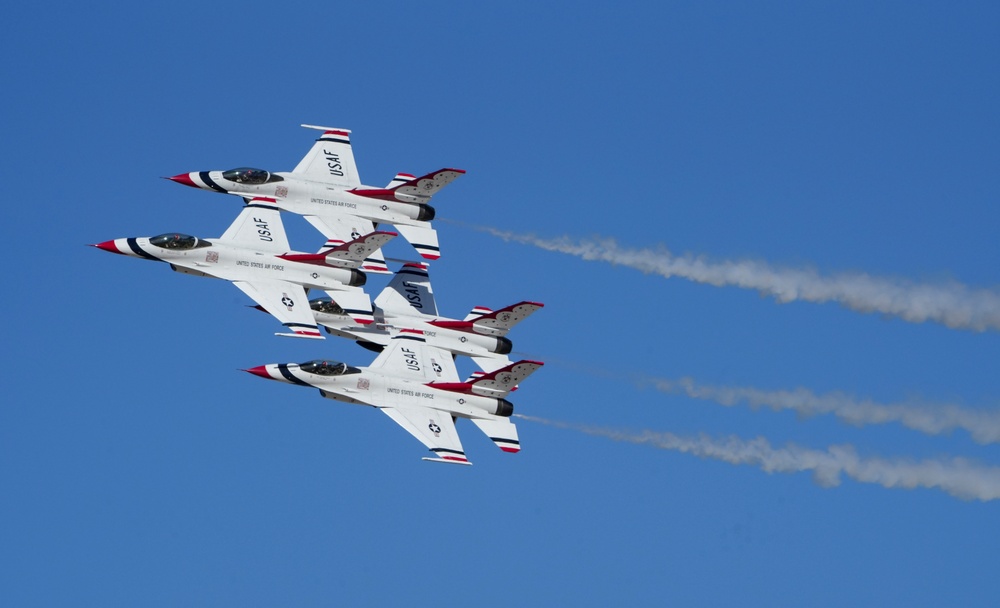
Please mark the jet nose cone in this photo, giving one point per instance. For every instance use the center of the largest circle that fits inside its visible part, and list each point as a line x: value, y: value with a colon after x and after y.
x: 260, y: 370
x: 107, y: 246
x: 183, y: 178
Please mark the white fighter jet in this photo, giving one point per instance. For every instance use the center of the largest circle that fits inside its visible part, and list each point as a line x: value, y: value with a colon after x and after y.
x: 408, y: 303
x: 417, y: 385
x: 254, y: 254
x: 325, y: 188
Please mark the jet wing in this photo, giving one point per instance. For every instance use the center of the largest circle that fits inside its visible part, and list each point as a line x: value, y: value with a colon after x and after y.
x: 340, y: 229
x: 330, y: 160
x: 408, y: 356
x: 409, y: 293
x: 433, y: 428
x: 259, y: 227
x: 287, y: 302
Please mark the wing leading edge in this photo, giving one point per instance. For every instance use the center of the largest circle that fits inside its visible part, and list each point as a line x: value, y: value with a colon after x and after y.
x: 285, y: 301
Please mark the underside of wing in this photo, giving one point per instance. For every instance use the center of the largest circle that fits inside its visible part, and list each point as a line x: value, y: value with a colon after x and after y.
x: 501, y: 431
x: 433, y: 428
x: 287, y: 302
x: 331, y: 159
x: 258, y: 227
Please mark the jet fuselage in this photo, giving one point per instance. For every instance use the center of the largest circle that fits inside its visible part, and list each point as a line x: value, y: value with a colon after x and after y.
x: 308, y: 197
x: 366, y: 387
x: 459, y: 337
x: 224, y: 261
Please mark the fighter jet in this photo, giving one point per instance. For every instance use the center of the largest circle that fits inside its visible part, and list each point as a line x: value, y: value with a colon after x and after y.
x: 417, y: 386
x: 325, y: 188
x: 254, y: 254
x: 408, y: 303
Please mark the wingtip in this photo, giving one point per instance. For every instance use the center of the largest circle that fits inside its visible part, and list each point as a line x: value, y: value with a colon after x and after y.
x: 447, y: 461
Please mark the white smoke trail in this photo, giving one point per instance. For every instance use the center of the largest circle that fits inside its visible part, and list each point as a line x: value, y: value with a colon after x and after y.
x: 958, y: 477
x: 932, y: 419
x: 953, y: 304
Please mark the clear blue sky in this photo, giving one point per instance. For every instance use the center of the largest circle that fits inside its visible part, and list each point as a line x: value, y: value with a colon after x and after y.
x: 139, y: 467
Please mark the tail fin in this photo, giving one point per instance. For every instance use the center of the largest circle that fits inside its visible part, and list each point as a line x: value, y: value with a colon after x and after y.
x: 399, y: 180
x: 421, y: 189
x: 499, y: 322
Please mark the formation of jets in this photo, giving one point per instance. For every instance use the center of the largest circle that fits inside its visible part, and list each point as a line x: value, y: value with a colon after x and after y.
x: 414, y: 378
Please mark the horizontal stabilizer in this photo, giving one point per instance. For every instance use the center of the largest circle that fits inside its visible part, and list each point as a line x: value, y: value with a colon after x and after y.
x: 423, y: 239
x: 493, y: 384
x: 424, y: 187
x: 505, y: 379
x: 374, y: 263
x: 499, y: 322
x: 502, y: 432
x: 347, y: 255
x: 355, y: 303
x: 355, y: 252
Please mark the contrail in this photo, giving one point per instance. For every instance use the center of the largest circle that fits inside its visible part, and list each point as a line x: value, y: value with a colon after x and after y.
x: 932, y: 419
x: 953, y: 304
x: 959, y: 477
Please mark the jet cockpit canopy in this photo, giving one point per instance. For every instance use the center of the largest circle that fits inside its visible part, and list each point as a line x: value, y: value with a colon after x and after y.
x: 323, y: 367
x: 176, y: 240
x: 250, y: 176
x: 326, y: 305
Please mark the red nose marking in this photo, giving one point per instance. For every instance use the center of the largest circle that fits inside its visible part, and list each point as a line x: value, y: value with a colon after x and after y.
x: 107, y: 246
x: 260, y: 370
x: 183, y: 178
